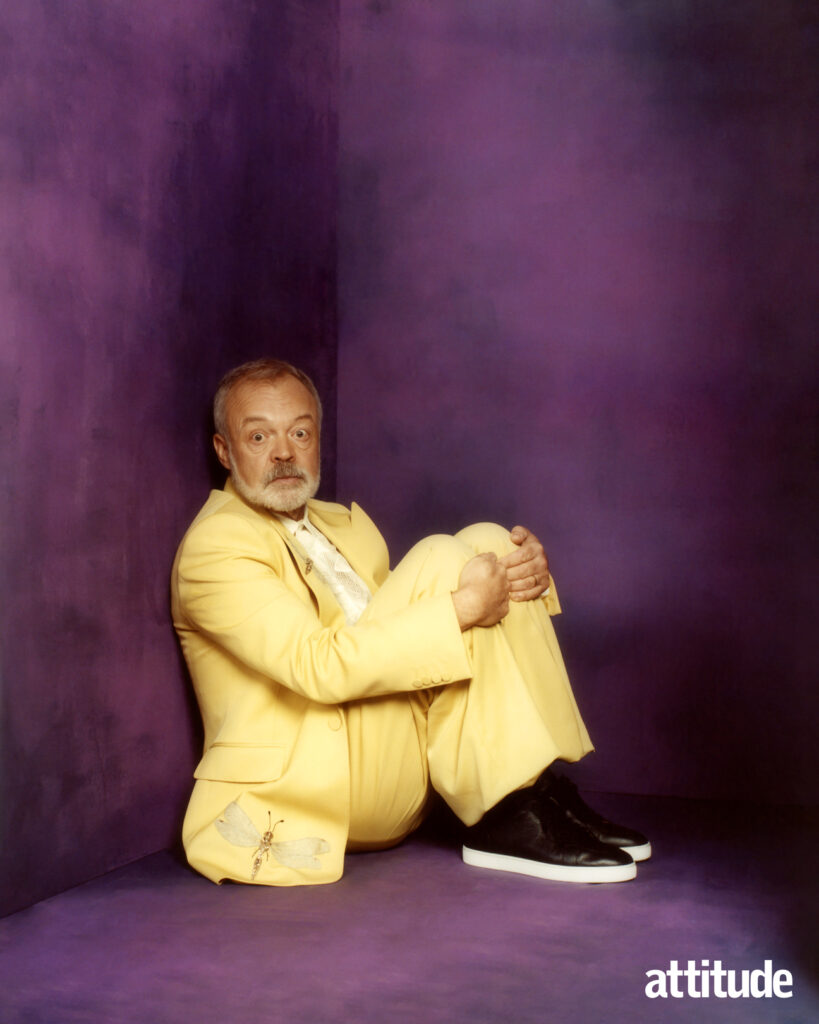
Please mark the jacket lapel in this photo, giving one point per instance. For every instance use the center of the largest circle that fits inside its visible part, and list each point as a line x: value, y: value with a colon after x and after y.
x: 328, y: 607
x: 336, y: 523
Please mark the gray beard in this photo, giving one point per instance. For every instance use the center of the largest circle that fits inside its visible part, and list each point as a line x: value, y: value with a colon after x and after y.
x: 266, y: 496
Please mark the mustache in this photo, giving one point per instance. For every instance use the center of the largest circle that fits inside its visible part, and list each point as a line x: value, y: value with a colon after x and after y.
x: 283, y: 470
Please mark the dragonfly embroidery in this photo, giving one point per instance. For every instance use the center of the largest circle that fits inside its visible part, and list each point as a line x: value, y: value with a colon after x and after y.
x: 235, y: 826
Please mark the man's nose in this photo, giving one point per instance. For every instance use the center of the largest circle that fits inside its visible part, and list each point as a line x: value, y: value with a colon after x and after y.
x: 281, y: 450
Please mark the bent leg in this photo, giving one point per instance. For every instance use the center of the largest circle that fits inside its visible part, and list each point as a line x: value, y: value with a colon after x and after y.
x: 528, y: 628
x: 387, y: 736
x: 488, y: 735
x: 389, y: 776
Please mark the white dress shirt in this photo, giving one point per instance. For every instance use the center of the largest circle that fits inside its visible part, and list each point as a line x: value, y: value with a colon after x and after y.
x: 331, y: 566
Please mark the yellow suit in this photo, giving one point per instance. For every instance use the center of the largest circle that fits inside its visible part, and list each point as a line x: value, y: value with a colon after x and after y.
x: 283, y: 683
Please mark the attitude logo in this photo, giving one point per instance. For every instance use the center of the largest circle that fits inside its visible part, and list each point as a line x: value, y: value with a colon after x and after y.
x: 707, y: 979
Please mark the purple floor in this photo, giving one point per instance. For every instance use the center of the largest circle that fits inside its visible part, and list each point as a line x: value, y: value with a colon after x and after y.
x: 412, y: 934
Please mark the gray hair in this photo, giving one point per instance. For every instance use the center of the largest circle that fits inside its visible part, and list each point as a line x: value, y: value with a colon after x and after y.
x: 260, y: 369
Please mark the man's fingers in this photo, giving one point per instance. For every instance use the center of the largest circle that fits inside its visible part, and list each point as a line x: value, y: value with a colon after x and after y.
x: 533, y: 581
x: 528, y: 590
x: 525, y: 570
x: 514, y: 558
x: 528, y: 560
x: 523, y: 556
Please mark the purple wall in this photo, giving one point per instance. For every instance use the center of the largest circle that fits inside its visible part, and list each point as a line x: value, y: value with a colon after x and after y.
x: 578, y: 291
x: 167, y: 210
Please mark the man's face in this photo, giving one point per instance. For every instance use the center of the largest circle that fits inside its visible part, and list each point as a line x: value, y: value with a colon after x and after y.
x: 272, y: 444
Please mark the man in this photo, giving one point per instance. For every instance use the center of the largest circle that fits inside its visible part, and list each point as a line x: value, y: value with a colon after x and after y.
x: 336, y: 694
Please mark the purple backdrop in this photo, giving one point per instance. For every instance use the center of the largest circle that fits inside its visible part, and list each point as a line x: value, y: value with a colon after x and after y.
x: 167, y: 210
x: 578, y: 291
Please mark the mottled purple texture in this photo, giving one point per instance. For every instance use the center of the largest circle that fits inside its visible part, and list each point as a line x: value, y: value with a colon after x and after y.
x: 578, y: 291
x: 413, y: 935
x: 167, y: 210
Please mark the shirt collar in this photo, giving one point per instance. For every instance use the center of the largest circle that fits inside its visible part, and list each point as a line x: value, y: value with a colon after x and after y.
x: 292, y: 525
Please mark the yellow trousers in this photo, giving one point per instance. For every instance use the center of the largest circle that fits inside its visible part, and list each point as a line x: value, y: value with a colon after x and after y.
x: 473, y: 741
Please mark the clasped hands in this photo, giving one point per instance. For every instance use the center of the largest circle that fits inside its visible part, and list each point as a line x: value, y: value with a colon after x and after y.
x: 487, y: 583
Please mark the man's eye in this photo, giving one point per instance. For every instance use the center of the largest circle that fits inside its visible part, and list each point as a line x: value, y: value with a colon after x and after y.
x: 257, y: 437
x: 300, y: 435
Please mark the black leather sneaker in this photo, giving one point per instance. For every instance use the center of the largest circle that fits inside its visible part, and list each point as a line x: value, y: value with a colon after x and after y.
x: 530, y: 834
x: 561, y: 789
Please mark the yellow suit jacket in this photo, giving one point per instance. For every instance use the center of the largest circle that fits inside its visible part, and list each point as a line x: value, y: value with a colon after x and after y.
x: 273, y: 663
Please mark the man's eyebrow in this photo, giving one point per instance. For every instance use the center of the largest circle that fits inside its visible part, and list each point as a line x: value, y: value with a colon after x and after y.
x: 266, y: 419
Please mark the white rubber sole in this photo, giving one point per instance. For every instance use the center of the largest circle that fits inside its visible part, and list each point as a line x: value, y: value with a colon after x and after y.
x: 552, y: 872
x: 638, y: 853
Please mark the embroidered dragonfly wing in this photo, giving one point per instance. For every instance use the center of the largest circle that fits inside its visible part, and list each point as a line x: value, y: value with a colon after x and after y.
x: 237, y: 827
x: 300, y: 853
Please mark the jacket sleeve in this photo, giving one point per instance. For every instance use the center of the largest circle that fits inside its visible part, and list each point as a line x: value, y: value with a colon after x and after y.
x: 227, y: 588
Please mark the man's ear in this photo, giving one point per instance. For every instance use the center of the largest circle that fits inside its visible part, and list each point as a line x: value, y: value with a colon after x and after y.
x: 220, y: 444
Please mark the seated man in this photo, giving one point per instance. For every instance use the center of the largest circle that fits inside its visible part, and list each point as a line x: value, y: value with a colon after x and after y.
x: 336, y: 694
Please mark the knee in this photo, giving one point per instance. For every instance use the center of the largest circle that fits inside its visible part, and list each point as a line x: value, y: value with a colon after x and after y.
x: 442, y: 549
x: 482, y: 537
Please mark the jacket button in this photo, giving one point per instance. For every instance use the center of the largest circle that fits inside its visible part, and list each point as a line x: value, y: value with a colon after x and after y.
x: 334, y: 721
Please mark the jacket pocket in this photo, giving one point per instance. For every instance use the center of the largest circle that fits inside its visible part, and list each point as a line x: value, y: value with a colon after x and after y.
x: 241, y: 762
